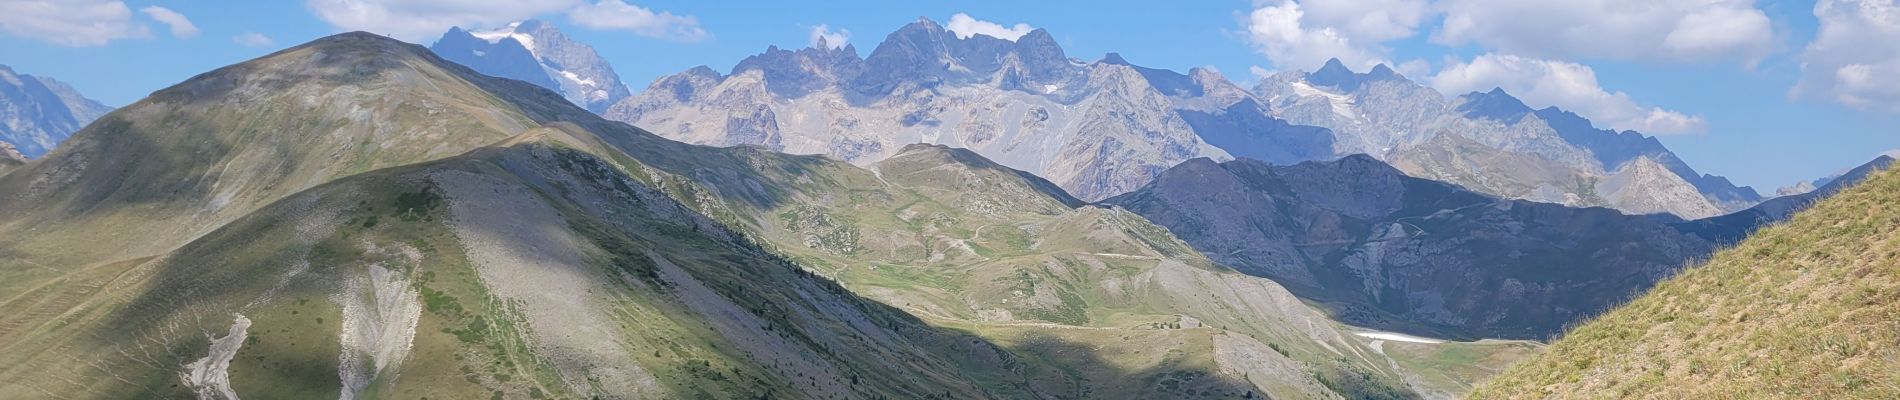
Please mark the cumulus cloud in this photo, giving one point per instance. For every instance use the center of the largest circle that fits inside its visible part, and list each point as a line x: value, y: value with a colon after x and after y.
x: 75, y: 23
x: 1853, y: 59
x: 833, y: 40
x: 420, y: 20
x: 425, y: 19
x: 618, y: 15
x: 252, y: 39
x: 1304, y: 34
x: 1415, y: 69
x: 1649, y: 30
x: 1571, y: 86
x: 1260, y: 72
x: 964, y: 26
x: 1367, y: 20
x: 181, y: 27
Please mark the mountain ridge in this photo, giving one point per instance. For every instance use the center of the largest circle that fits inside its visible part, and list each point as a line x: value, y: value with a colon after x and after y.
x: 1383, y: 249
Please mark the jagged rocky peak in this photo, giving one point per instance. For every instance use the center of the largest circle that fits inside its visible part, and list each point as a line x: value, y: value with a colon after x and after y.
x: 925, y: 54
x: 1337, y: 75
x: 795, y: 73
x: 1493, y: 105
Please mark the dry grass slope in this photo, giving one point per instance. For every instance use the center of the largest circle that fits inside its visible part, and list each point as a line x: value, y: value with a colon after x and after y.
x: 1806, y: 309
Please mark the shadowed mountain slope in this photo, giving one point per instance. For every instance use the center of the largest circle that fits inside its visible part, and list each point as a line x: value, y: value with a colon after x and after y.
x: 1387, y: 250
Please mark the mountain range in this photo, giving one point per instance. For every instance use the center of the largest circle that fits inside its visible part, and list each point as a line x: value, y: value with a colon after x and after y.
x: 535, y: 52
x: 36, y: 113
x: 1105, y: 127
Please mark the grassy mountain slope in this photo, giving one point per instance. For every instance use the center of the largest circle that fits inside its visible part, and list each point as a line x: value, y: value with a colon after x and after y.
x: 190, y: 158
x: 1804, y: 309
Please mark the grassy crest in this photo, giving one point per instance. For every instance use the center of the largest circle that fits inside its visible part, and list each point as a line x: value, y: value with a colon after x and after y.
x: 1803, y: 309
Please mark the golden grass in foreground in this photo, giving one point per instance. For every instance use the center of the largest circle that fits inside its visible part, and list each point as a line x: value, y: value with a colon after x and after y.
x: 1805, y: 309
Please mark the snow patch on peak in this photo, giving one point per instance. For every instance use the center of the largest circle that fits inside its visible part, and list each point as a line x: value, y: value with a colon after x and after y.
x: 1342, y: 104
x: 497, y: 34
x: 577, y: 79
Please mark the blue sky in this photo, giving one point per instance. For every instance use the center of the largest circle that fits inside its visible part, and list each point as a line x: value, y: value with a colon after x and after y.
x: 1721, y: 95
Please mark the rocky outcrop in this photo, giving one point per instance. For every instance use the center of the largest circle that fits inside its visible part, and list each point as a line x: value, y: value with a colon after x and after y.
x: 1388, y: 250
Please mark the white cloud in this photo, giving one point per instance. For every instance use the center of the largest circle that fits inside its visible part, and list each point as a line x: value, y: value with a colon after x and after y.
x: 618, y: 15
x: 1853, y: 59
x: 421, y: 20
x: 75, y: 23
x: 252, y: 39
x: 1571, y: 86
x: 965, y: 26
x: 833, y: 40
x: 1260, y: 72
x: 1304, y: 34
x: 181, y: 27
x: 1415, y: 69
x: 1367, y: 20
x: 1651, y: 30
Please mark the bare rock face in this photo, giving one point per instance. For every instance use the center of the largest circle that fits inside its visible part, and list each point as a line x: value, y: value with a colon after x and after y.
x: 1095, y: 128
x: 1388, y: 250
x: 37, y: 113
x: 1492, y: 143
